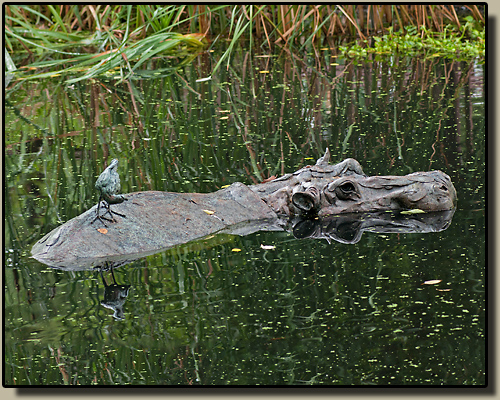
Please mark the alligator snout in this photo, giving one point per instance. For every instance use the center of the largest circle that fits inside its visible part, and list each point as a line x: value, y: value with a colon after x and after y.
x: 434, y: 189
x: 427, y: 191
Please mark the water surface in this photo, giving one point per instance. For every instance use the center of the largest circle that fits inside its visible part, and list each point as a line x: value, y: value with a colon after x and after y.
x: 305, y: 312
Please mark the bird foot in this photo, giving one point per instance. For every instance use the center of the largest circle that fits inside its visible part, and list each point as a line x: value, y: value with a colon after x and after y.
x: 101, y: 218
x: 108, y: 211
x: 111, y: 212
x: 117, y: 213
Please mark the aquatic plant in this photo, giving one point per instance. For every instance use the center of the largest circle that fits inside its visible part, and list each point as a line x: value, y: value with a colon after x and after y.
x: 89, y: 40
x: 463, y: 43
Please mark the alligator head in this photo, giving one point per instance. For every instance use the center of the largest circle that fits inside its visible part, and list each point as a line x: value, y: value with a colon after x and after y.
x: 426, y: 191
x: 324, y: 189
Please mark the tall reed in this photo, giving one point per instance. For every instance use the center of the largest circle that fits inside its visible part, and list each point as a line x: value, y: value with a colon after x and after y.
x: 99, y: 38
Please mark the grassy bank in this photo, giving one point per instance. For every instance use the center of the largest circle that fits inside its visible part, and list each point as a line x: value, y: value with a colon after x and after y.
x: 88, y: 40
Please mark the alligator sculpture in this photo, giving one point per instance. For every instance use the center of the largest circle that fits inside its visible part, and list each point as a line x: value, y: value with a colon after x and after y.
x: 324, y: 189
x: 156, y: 221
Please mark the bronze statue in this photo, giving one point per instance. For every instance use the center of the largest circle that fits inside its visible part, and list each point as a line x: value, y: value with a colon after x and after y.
x: 321, y: 194
x: 108, y: 186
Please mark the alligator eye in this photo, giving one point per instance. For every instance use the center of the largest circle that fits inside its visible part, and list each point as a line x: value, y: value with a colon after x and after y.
x: 347, y: 188
x: 346, y: 191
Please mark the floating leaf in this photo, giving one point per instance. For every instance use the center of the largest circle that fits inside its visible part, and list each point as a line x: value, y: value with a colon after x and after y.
x: 264, y: 72
x: 432, y: 282
x: 271, y: 178
x: 226, y: 117
x: 443, y: 290
x: 267, y: 247
x: 415, y: 211
x: 102, y: 230
x: 209, y: 212
x: 224, y: 186
x: 236, y: 249
x: 204, y: 79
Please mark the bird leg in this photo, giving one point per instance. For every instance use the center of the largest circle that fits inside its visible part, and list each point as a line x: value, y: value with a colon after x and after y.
x: 108, y: 266
x: 100, y: 217
x: 107, y: 206
x: 111, y: 212
x: 102, y: 277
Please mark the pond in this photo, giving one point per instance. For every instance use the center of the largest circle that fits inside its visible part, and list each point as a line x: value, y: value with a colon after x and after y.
x: 266, y: 308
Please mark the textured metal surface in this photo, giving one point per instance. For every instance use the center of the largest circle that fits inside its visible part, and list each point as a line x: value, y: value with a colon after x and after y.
x: 154, y: 221
x: 323, y: 189
x: 149, y: 222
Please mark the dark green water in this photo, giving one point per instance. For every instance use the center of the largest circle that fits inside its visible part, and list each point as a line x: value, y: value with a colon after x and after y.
x: 306, y: 312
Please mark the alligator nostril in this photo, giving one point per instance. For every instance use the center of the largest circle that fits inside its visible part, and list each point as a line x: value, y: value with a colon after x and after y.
x: 444, y: 188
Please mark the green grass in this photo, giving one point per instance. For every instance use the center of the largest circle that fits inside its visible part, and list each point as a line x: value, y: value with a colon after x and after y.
x: 85, y: 41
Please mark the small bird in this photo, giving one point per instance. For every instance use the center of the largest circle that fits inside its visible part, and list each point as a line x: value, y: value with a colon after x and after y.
x: 108, y: 186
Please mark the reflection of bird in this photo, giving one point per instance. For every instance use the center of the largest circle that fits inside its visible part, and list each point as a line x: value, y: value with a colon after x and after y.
x: 114, y: 295
x: 108, y: 186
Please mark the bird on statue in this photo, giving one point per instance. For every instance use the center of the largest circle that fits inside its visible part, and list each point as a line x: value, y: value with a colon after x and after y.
x: 108, y: 186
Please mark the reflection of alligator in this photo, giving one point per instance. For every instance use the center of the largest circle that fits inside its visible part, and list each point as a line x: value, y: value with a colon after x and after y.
x: 348, y: 228
x: 159, y: 220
